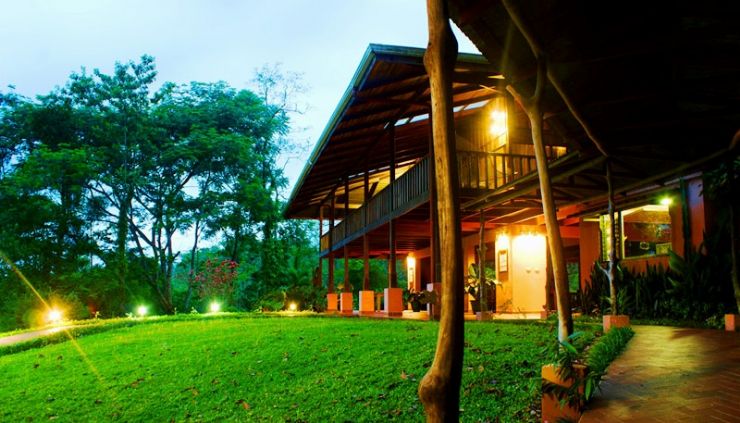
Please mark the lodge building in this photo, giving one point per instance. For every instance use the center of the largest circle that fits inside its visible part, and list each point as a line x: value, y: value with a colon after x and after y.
x: 370, y: 183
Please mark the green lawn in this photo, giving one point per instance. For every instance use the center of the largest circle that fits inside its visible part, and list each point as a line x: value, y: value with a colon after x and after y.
x: 271, y: 369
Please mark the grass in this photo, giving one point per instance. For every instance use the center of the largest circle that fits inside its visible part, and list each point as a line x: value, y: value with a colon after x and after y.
x: 272, y: 369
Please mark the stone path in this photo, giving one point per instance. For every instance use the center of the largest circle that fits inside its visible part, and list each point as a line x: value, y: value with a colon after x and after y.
x: 25, y: 336
x: 672, y: 375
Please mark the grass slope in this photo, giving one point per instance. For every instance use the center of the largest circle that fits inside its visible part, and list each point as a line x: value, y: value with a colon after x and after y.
x: 271, y: 369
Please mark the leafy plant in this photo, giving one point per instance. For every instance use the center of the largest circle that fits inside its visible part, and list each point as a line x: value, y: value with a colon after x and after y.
x: 585, y: 368
x: 472, y: 283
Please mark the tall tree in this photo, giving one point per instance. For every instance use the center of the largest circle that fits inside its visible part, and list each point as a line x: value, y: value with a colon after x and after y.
x: 439, y: 389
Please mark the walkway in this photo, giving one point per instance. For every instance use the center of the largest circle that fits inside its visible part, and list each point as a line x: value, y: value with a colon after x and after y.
x: 672, y: 375
x: 25, y: 336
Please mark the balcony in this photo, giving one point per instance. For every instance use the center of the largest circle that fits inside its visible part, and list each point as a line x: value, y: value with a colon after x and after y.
x: 478, y: 172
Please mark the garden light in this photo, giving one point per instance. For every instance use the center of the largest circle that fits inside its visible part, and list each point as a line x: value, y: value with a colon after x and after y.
x: 141, y: 310
x: 292, y: 307
x: 54, y: 316
x: 214, y: 307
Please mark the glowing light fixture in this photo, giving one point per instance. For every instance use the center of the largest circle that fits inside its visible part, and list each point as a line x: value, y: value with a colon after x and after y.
x: 666, y: 201
x: 293, y: 307
x: 410, y: 261
x: 502, y: 242
x: 214, y: 307
x: 142, y: 310
x: 54, y: 316
x: 497, y: 126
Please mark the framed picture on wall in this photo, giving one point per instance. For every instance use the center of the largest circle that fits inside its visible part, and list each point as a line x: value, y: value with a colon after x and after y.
x: 503, y: 261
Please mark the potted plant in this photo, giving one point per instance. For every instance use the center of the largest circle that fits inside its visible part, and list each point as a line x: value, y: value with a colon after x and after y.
x: 418, y: 298
x: 473, y: 285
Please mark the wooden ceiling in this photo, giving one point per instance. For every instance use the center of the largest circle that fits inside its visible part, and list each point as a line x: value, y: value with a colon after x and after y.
x: 655, y: 84
x: 389, y: 89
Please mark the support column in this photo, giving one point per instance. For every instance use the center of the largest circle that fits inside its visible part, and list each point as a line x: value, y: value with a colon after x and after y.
x: 433, y: 285
x: 484, y: 313
x: 347, y: 287
x: 393, y: 294
x: 319, y: 281
x: 331, y: 297
x: 439, y: 390
x: 367, y: 295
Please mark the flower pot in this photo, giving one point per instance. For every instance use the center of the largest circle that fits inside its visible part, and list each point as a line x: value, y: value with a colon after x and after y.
x: 552, y: 409
x: 618, y: 321
x: 415, y: 306
x: 475, y: 305
x: 732, y: 322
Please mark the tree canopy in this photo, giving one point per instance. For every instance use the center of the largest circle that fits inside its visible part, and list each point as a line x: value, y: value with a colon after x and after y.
x: 99, y: 176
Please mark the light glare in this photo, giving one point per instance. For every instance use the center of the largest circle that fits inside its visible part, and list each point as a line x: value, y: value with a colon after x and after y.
x: 292, y: 307
x: 666, y: 201
x: 498, y: 123
x: 141, y: 310
x: 215, y: 307
x: 54, y: 316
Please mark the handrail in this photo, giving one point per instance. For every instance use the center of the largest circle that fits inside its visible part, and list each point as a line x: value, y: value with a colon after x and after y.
x: 477, y: 170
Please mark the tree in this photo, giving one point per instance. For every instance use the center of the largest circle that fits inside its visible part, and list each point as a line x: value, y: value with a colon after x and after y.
x: 439, y: 389
x: 533, y: 108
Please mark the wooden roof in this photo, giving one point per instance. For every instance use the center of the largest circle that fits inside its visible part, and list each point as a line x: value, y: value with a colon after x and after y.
x: 390, y: 87
x: 656, y: 83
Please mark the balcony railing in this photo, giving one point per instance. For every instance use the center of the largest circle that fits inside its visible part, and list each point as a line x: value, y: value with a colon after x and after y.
x: 409, y: 191
x: 477, y: 170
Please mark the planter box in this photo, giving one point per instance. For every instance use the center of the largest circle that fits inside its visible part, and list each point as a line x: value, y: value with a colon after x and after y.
x: 732, y: 322
x: 346, y: 303
x: 552, y: 410
x: 367, y: 303
x: 618, y: 321
x: 332, y: 301
x: 393, y: 301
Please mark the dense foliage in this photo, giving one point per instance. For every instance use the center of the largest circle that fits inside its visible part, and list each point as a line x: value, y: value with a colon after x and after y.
x: 693, y: 288
x: 99, y: 177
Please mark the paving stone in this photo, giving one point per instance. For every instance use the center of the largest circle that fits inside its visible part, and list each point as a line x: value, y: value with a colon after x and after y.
x: 672, y: 375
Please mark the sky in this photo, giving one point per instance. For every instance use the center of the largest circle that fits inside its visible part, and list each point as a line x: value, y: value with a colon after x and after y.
x: 209, y: 40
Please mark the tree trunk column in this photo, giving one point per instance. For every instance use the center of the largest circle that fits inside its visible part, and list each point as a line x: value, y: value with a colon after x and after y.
x: 318, y: 281
x: 534, y: 111
x: 439, y: 390
x: 367, y: 295
x: 331, y: 297
x: 393, y: 294
x: 347, y: 287
x: 433, y: 285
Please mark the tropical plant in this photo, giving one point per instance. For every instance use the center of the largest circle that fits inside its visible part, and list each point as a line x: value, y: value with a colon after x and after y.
x: 472, y: 282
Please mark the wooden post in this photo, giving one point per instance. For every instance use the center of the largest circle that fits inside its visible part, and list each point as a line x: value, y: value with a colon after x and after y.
x: 433, y: 228
x: 330, y: 282
x: 534, y: 111
x: 482, y: 263
x: 346, y: 287
x: 439, y: 389
x: 392, y: 273
x: 611, y: 271
x: 365, y: 239
x: 319, y: 278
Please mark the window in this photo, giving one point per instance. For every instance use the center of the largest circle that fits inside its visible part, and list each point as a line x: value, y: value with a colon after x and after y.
x: 642, y: 232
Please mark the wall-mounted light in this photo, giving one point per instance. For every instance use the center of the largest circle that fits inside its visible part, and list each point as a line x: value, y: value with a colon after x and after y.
x: 666, y: 201
x: 497, y: 124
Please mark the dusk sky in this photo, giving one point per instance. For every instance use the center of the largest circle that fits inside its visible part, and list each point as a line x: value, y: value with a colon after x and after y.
x: 324, y: 40
x: 207, y: 41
